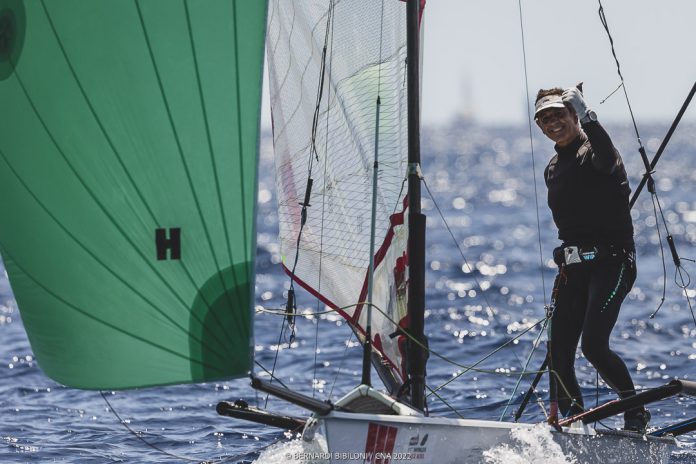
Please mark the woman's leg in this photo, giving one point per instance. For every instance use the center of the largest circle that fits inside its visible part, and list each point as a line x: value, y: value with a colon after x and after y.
x: 610, y: 282
x: 566, y: 326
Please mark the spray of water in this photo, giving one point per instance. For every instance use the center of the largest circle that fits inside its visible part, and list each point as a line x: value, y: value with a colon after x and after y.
x: 297, y: 451
x: 530, y: 445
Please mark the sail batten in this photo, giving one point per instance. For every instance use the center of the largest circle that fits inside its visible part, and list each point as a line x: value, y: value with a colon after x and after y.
x: 130, y: 179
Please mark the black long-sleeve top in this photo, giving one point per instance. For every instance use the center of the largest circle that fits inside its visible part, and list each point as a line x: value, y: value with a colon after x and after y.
x: 588, y: 191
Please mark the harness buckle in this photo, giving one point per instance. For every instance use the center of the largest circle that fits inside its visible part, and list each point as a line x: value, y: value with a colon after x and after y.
x: 575, y: 254
x: 571, y: 255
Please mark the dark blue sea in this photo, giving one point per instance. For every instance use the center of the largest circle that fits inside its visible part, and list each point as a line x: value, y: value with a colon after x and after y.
x: 482, y: 179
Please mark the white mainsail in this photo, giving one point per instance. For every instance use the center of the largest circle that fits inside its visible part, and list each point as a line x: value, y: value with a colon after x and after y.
x: 324, y: 108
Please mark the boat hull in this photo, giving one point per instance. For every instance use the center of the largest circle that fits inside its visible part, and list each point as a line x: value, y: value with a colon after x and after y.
x: 375, y: 438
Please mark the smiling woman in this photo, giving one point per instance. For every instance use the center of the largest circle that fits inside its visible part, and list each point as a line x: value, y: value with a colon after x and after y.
x: 588, y: 197
x: 556, y: 121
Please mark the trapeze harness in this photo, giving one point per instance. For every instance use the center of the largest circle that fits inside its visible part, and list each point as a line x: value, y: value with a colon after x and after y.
x: 588, y: 194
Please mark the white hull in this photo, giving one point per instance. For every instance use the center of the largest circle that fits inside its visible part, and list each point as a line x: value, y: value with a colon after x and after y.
x: 349, y: 435
x: 406, y: 437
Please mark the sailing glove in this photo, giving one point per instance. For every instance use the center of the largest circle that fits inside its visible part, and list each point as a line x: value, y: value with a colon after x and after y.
x: 573, y: 97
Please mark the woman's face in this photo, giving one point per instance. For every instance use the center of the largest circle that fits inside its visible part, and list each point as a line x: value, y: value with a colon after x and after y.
x: 559, y: 124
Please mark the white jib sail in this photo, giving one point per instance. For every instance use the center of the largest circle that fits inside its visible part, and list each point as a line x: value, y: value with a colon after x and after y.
x: 365, y: 59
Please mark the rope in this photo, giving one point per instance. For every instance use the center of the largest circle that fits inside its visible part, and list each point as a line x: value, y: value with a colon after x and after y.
x: 535, y: 345
x: 603, y: 19
x: 137, y: 435
x: 291, y: 304
x: 282, y: 312
x: 275, y: 359
x: 679, y: 270
x: 536, y: 203
x: 340, y: 365
x: 461, y: 253
x: 435, y: 353
x: 323, y: 217
x: 466, y: 368
x: 444, y: 401
x: 531, y: 146
x: 651, y: 187
x: 263, y: 368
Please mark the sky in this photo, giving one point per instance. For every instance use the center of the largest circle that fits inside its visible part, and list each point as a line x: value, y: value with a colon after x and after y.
x: 473, y: 62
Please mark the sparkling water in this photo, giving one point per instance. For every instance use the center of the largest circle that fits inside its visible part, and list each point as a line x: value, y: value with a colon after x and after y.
x: 482, y: 180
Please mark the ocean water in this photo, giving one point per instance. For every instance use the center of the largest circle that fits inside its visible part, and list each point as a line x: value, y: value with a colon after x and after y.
x: 482, y: 179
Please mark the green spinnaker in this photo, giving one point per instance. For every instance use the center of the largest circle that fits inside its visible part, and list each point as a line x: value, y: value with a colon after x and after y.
x: 124, y: 124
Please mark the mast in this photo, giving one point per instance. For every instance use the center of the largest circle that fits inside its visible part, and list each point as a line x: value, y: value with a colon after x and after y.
x: 416, y: 220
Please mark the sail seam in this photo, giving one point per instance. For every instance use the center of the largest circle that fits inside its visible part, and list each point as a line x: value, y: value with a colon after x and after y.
x: 82, y: 181
x: 103, y: 322
x: 91, y: 193
x: 165, y: 101
x: 94, y: 256
x: 217, y: 182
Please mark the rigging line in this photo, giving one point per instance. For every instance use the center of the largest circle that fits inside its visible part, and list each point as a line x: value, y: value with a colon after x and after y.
x: 445, y: 358
x: 323, y: 216
x: 313, y: 148
x: 283, y: 312
x: 663, y: 144
x: 531, y: 146
x: 406, y: 333
x: 675, y: 258
x: 399, y: 201
x: 641, y: 149
x: 688, y: 281
x: 495, y: 351
x: 612, y: 93
x: 662, y: 256
x: 135, y: 291
x: 367, y: 343
x: 648, y: 168
x: 535, y: 345
x: 275, y: 359
x: 138, y: 435
x: 320, y: 88
x: 111, y: 144
x: 291, y: 303
x: 684, y: 286
x: 340, y: 365
x: 444, y: 401
x: 471, y: 269
x: 603, y: 19
x: 263, y: 368
x: 316, y: 341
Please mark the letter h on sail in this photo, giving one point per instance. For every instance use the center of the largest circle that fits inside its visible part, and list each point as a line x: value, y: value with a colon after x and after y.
x: 171, y: 243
